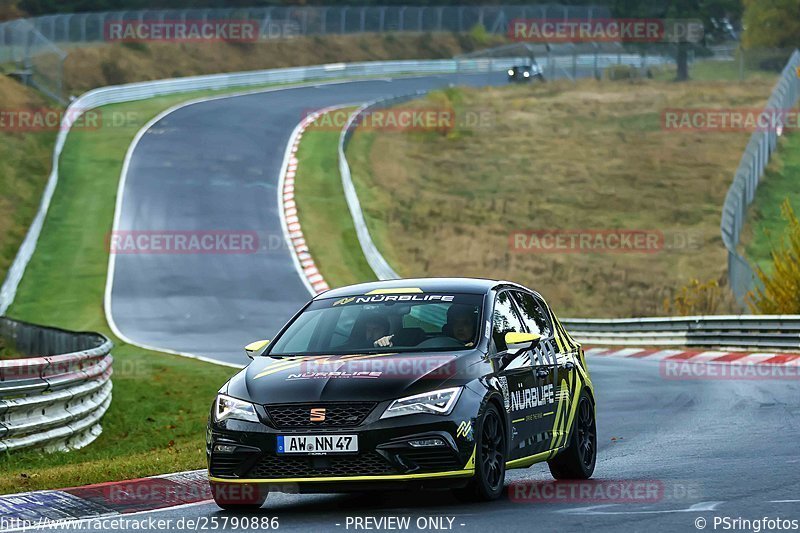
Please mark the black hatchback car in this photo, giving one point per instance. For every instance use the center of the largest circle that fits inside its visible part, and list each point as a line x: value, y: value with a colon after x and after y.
x: 424, y: 383
x: 523, y: 73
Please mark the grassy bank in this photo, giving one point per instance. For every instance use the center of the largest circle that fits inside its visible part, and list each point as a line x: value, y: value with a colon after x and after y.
x: 157, y: 418
x: 552, y: 157
x: 322, y: 208
x: 764, y: 226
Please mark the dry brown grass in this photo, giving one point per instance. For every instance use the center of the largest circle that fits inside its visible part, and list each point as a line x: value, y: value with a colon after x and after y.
x: 592, y: 155
x: 111, y: 64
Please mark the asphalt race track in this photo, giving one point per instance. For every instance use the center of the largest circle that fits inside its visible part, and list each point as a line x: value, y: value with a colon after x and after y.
x: 213, y: 167
x: 710, y: 448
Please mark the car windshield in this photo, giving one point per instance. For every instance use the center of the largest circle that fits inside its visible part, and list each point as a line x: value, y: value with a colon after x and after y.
x: 383, y: 323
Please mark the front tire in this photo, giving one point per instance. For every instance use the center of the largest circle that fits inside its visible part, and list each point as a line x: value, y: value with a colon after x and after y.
x: 490, y: 458
x: 578, y: 460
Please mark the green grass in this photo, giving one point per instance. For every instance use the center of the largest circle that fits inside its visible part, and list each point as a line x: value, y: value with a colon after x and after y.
x: 322, y: 208
x: 708, y: 70
x: 153, y: 426
x: 765, y: 226
x: 156, y: 421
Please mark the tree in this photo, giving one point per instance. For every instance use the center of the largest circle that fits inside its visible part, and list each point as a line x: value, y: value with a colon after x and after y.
x: 702, y: 10
x: 781, y: 291
x: 771, y: 23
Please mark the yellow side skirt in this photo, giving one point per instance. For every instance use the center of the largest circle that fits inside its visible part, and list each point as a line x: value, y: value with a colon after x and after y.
x: 523, y: 462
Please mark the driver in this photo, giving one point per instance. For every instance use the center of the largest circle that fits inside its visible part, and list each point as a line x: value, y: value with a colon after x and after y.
x: 460, y: 326
x: 461, y: 323
x: 368, y: 330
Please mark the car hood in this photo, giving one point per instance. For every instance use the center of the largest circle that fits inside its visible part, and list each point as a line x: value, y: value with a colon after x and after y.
x: 372, y: 377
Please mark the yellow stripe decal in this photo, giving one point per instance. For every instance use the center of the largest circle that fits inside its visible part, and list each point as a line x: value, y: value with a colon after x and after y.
x: 574, y: 410
x: 557, y: 422
x: 471, y: 463
x: 406, y: 290
x: 393, y: 477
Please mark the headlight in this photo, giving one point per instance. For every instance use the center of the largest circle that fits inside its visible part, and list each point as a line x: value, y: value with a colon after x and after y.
x: 438, y: 402
x: 227, y: 407
x: 527, y: 74
x: 511, y: 72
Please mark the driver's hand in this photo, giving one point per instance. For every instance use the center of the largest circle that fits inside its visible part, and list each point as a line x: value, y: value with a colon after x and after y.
x: 383, y: 342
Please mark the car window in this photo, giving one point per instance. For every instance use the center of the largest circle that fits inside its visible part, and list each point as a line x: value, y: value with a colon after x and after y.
x: 533, y: 315
x: 431, y: 318
x: 383, y: 323
x: 504, y: 320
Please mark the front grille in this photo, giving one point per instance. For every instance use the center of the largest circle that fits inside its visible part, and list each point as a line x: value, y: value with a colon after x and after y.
x: 368, y: 464
x: 337, y: 415
x: 432, y: 460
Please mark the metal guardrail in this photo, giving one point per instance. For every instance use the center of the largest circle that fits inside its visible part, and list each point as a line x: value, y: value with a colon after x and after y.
x: 730, y: 331
x: 751, y: 167
x: 143, y: 90
x: 55, y: 399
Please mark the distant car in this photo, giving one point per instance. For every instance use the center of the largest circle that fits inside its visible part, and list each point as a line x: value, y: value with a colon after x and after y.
x: 525, y: 73
x: 417, y: 383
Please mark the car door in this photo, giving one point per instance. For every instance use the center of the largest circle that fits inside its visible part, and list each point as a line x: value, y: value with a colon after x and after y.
x: 545, y: 365
x: 516, y: 377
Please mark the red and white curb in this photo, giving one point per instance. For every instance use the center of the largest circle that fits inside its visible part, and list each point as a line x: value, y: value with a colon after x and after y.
x: 296, y: 237
x: 697, y: 356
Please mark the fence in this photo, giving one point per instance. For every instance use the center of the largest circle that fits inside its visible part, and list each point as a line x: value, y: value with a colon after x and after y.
x: 751, y: 167
x: 36, y: 44
x: 56, y: 397
x: 282, y: 21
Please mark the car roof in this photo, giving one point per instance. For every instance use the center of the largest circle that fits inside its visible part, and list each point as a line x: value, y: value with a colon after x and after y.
x: 456, y: 285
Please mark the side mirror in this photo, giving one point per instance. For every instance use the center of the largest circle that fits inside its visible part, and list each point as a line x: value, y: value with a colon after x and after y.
x: 521, y: 341
x: 256, y: 349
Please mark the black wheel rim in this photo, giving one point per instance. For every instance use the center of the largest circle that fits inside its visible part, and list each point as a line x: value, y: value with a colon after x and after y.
x: 587, y: 433
x: 492, y: 450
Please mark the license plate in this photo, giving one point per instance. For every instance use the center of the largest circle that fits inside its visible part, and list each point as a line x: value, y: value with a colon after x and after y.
x: 317, y: 444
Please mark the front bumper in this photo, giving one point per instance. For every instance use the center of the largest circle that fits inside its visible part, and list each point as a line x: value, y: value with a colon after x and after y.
x: 246, y: 452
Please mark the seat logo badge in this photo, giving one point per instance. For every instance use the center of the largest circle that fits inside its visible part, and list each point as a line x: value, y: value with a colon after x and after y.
x: 318, y: 415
